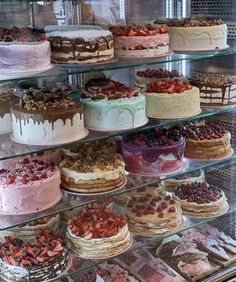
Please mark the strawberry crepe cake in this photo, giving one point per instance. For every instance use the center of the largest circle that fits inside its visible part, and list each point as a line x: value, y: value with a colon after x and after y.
x: 41, y: 260
x: 140, y: 41
x: 98, y: 234
x: 31, y: 186
x: 172, y: 99
x: 111, y: 105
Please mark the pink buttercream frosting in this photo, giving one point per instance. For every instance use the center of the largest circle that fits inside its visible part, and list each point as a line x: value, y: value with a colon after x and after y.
x: 31, y: 186
x: 146, y: 41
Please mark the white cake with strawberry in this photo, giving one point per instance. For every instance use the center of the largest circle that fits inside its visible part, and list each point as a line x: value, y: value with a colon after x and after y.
x: 172, y: 99
x: 140, y: 41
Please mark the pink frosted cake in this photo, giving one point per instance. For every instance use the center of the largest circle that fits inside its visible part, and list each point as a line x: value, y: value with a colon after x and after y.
x: 140, y: 41
x: 158, y: 152
x: 32, y: 186
x: 24, y: 50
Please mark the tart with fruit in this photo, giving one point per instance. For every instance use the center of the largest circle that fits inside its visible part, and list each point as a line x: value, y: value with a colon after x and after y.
x: 31, y: 186
x: 153, y: 215
x: 137, y: 41
x: 172, y: 99
x: 28, y: 232
x: 201, y: 200
x: 154, y: 153
x: 148, y: 76
x: 207, y: 142
x: 44, y: 259
x: 52, y: 115
x: 171, y: 184
x: 93, y: 173
x: 98, y: 234
x: 111, y: 105
x: 6, y: 100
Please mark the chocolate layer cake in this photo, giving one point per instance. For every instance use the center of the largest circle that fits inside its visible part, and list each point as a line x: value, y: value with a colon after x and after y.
x: 216, y: 89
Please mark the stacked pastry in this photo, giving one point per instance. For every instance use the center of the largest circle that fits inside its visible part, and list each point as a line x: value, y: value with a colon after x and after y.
x: 44, y: 259
x: 98, y: 234
x: 28, y: 232
x: 171, y: 184
x: 153, y: 215
x: 206, y: 142
x: 201, y: 200
x: 89, y: 172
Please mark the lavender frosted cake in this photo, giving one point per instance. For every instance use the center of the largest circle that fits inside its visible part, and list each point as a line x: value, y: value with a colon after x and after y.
x: 24, y: 50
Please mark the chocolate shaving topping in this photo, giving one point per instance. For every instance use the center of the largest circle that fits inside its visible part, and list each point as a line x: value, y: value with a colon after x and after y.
x: 212, y: 79
x: 190, y: 22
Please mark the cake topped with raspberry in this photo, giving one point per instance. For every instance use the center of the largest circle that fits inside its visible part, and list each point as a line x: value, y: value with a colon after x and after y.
x: 137, y: 30
x: 35, y: 261
x: 158, y: 73
x: 169, y: 87
x: 24, y: 34
x: 108, y: 89
x: 98, y: 233
x: 190, y: 22
x: 201, y: 199
x: 153, y: 215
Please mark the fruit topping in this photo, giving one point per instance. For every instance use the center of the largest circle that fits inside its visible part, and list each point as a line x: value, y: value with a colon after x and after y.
x: 107, y: 89
x: 203, y: 132
x: 198, y: 192
x: 169, y: 87
x: 24, y: 34
x: 158, y: 73
x: 97, y: 223
x: 137, y: 30
x: 46, y: 246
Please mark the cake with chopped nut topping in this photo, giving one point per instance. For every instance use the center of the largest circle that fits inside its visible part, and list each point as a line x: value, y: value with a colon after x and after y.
x: 6, y: 100
x: 44, y: 259
x: 89, y: 173
x: 196, y: 34
x: 52, y: 116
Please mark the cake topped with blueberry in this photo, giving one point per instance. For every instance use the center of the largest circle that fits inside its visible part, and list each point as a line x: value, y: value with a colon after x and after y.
x: 200, y: 199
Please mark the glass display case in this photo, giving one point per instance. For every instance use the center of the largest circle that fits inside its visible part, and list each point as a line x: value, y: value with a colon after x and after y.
x: 97, y: 86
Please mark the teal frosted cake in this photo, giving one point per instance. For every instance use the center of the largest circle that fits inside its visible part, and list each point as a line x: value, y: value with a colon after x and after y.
x: 110, y: 105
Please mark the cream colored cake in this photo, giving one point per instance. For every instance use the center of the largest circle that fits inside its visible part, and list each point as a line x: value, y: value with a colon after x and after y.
x: 153, y: 215
x: 172, y: 99
x: 98, y: 234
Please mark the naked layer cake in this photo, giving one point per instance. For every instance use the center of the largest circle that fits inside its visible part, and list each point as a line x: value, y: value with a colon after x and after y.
x: 206, y: 142
x: 140, y: 41
x: 216, y: 89
x: 90, y: 173
x: 111, y: 105
x: 31, y: 186
x: 23, y: 50
x: 51, y: 114
x: 98, y: 234
x: 157, y: 152
x: 153, y: 215
x: 148, y: 76
x: 42, y: 260
x: 196, y: 34
x: 201, y: 200
x: 80, y: 44
x: 172, y: 99
x: 6, y: 100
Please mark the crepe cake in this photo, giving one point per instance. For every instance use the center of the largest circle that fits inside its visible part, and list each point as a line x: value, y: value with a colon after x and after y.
x: 7, y: 98
x: 28, y: 232
x: 97, y: 234
x: 42, y: 260
x: 206, y: 243
x: 124, y: 198
x: 185, y: 257
x: 201, y: 200
x: 206, y: 142
x: 171, y: 184
x: 91, y: 173
x: 151, y: 215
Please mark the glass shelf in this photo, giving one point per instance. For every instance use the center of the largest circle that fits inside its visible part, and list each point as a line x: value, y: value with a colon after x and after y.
x: 62, y: 70
x: 10, y: 149
x: 70, y: 202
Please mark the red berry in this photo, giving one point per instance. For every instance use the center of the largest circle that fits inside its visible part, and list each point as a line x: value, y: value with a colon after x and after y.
x: 161, y: 215
x: 172, y: 202
x: 172, y: 209
x: 10, y: 179
x: 202, y: 201
x: 214, y: 199
x: 3, y: 170
x: 26, y: 161
x: 24, y: 180
x: 159, y: 209
x: 190, y: 199
x: 168, y: 197
x: 164, y: 205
